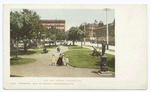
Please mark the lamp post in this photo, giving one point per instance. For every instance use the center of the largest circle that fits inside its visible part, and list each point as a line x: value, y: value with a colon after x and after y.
x: 106, y: 9
x: 85, y: 31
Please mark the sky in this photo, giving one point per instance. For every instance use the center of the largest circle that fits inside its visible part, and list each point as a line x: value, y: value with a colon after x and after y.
x: 74, y: 17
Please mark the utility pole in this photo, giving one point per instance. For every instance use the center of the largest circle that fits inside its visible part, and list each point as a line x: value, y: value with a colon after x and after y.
x: 85, y: 31
x: 107, y: 26
x: 92, y: 32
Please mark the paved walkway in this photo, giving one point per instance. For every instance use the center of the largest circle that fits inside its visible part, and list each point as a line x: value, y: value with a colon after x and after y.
x: 107, y: 51
x: 41, y: 68
x: 95, y: 45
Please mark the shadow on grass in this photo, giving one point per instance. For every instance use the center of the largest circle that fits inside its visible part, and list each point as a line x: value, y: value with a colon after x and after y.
x: 111, y: 63
x: 21, y: 61
x: 15, y: 76
x: 97, y: 63
x: 21, y: 52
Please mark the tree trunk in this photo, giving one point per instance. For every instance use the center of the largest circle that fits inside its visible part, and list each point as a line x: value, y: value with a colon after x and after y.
x: 25, y: 46
x: 73, y: 42
x: 44, y: 42
x: 84, y: 40
x: 17, y: 50
x: 97, y: 42
x: 81, y: 43
x: 36, y: 43
x: 49, y: 44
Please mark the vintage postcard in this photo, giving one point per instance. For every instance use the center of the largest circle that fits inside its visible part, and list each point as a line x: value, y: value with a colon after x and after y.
x: 75, y: 46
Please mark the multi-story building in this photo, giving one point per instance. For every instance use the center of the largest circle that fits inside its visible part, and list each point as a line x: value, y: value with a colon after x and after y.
x: 90, y: 28
x: 97, y: 31
x: 101, y: 33
x: 58, y: 24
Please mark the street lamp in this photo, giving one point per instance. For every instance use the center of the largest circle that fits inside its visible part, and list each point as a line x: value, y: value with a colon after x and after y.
x: 106, y: 9
x: 84, y: 30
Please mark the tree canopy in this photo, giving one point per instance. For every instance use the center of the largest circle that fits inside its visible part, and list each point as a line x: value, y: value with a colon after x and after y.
x: 75, y: 33
x: 54, y: 34
x: 25, y: 26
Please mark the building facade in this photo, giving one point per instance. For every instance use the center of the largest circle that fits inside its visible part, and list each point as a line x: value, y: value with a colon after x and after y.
x: 57, y: 24
x: 101, y: 33
x: 97, y: 31
x: 90, y: 28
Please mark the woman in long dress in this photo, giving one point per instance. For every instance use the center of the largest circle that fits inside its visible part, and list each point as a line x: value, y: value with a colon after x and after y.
x: 60, y: 61
x: 53, y: 60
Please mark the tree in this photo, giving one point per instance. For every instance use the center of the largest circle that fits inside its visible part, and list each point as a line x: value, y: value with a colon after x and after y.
x: 54, y: 34
x: 81, y: 35
x: 75, y: 33
x: 61, y: 35
x: 32, y: 28
x: 51, y: 34
x: 15, y: 28
x: 25, y: 26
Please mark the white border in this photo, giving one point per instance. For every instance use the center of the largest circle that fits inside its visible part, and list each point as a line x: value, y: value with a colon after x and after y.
x: 131, y: 76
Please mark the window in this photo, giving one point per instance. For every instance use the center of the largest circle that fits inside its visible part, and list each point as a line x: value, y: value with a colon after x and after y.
x: 48, y: 24
x: 44, y: 24
x: 61, y: 23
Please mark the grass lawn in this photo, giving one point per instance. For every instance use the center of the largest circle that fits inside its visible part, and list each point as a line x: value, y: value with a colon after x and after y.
x: 76, y: 47
x: 84, y: 59
x: 21, y: 61
x: 22, y: 52
x: 51, y: 47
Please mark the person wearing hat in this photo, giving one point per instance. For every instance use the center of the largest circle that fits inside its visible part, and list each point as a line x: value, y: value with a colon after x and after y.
x: 59, y: 61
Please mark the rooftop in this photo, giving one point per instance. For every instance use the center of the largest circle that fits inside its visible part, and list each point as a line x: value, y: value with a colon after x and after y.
x: 52, y: 21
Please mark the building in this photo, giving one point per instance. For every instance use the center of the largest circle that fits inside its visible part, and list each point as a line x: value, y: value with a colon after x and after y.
x: 90, y: 28
x: 101, y: 33
x: 97, y: 31
x: 58, y: 24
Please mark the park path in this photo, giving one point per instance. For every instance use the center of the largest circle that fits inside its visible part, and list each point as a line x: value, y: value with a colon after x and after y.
x: 106, y: 51
x: 41, y: 67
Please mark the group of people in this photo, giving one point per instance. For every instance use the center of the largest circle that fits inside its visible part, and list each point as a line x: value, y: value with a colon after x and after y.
x: 62, y: 60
